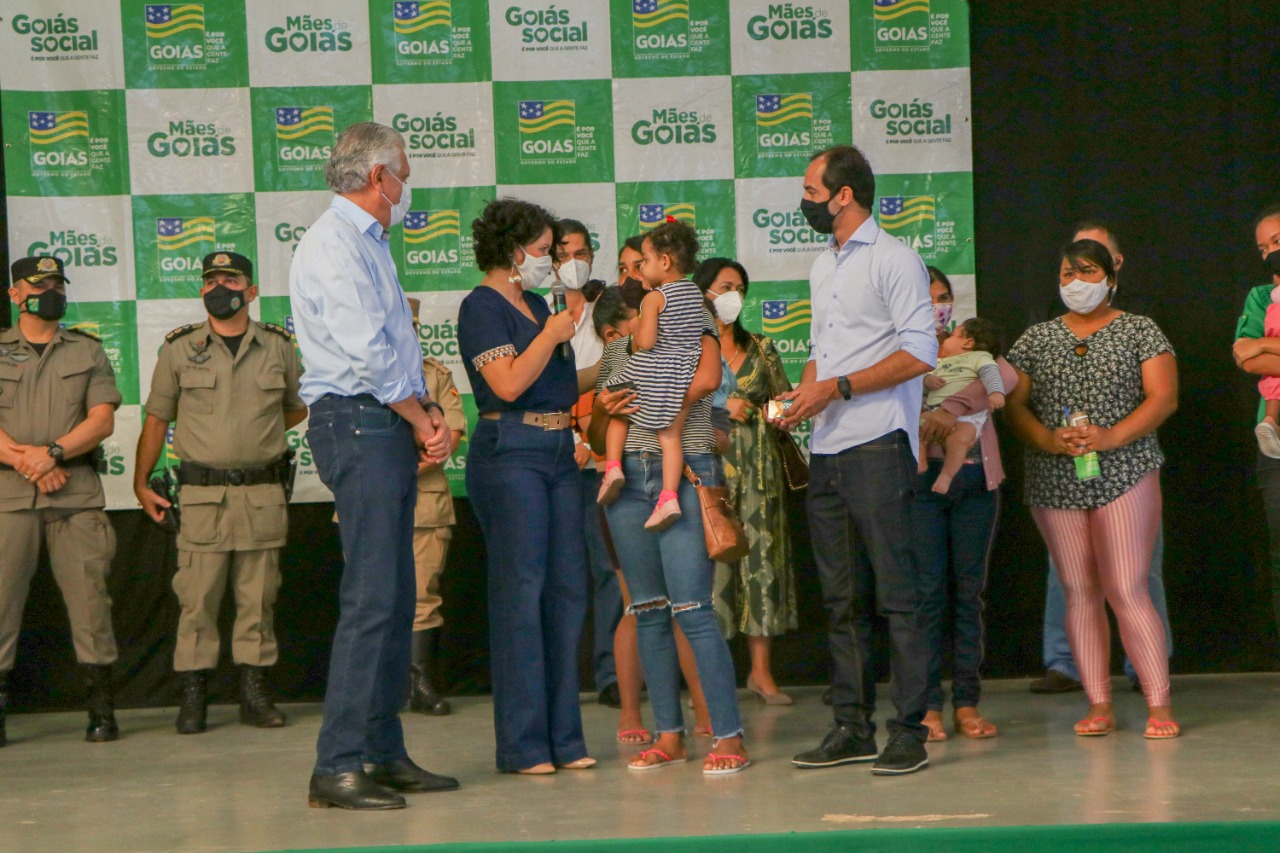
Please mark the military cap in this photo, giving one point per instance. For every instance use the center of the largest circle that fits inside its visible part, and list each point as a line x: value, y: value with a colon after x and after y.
x: 37, y: 267
x: 228, y: 262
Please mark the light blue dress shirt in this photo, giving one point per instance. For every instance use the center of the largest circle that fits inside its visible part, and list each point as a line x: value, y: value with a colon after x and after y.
x: 351, y: 317
x: 870, y: 299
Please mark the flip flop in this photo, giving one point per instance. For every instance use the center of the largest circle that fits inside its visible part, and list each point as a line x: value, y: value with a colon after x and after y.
x: 743, y: 764
x: 1111, y: 726
x: 643, y: 733
x: 972, y: 727
x: 1153, y: 723
x: 666, y: 761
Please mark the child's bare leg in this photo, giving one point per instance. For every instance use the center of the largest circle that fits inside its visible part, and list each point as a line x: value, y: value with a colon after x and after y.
x: 957, y: 447
x: 672, y: 453
x: 615, y: 440
x: 1273, y: 412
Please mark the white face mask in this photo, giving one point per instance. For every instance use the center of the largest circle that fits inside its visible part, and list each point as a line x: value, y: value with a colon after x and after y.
x: 728, y: 306
x: 534, y: 271
x: 941, y: 316
x: 1083, y: 296
x: 400, y: 209
x: 574, y: 273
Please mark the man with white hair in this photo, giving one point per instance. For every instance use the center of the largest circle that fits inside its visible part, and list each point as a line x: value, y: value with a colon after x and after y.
x: 371, y: 423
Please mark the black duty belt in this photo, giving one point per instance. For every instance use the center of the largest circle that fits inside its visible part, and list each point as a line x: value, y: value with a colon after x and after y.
x: 192, y: 474
x: 86, y: 459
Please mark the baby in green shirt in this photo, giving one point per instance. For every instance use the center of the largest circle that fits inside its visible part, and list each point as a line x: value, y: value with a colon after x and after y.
x: 968, y: 354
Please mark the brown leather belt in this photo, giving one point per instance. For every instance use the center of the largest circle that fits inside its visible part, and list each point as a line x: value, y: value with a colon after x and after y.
x: 542, y: 420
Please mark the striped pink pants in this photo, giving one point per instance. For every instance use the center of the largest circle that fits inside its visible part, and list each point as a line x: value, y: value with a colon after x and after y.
x: 1102, y: 554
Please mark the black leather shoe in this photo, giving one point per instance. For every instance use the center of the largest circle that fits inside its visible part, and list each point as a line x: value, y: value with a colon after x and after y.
x: 256, y: 707
x: 193, y: 707
x: 423, y: 696
x: 842, y: 745
x: 352, y: 790
x: 102, y: 711
x: 610, y: 696
x: 904, y: 753
x: 404, y: 775
x: 1054, y: 682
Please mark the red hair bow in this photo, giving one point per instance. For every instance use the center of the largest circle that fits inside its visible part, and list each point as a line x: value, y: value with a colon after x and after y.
x: 672, y: 219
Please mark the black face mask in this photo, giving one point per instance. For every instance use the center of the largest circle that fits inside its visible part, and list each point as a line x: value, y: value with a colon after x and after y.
x: 223, y: 303
x: 820, y: 219
x: 632, y: 292
x: 1272, y: 262
x: 50, y: 305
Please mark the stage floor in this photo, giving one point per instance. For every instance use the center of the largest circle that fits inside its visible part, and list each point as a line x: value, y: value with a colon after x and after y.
x: 242, y: 789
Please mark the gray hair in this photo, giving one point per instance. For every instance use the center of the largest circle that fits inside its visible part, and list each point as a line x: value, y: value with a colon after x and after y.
x: 359, y: 148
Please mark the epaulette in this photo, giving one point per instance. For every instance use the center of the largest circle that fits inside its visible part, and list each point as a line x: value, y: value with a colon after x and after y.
x: 279, y: 330
x: 180, y: 331
x: 90, y: 335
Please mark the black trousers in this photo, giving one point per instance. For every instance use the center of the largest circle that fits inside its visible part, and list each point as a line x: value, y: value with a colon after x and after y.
x: 860, y: 520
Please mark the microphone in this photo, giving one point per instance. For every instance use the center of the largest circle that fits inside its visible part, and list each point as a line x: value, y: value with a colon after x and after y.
x: 558, y: 305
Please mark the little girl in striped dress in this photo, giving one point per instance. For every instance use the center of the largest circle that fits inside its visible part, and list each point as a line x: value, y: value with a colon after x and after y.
x: 668, y: 344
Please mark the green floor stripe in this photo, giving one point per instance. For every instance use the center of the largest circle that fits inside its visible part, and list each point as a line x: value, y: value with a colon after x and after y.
x: 1238, y: 837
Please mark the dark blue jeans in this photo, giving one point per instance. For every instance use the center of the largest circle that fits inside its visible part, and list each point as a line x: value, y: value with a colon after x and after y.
x: 526, y: 491
x: 365, y: 454
x: 606, y: 592
x: 670, y: 572
x: 860, y: 522
x: 952, y: 541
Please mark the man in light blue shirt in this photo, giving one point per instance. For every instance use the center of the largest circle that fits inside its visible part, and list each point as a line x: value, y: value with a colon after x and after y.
x: 872, y: 340
x: 371, y: 422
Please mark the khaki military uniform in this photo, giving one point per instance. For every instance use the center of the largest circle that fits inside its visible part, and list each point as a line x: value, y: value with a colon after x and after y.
x: 42, y: 398
x: 230, y: 416
x: 433, y: 517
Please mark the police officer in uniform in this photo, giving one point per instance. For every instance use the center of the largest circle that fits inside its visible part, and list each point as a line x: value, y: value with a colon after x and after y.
x: 58, y: 400
x: 432, y: 529
x: 232, y: 385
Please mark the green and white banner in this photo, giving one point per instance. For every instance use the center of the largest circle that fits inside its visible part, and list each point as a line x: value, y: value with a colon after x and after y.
x: 139, y: 136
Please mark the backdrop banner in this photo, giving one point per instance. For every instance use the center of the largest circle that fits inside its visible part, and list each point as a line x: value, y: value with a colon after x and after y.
x: 140, y: 136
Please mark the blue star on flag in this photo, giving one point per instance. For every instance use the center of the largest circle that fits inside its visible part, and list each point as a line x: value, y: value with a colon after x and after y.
x: 288, y: 115
x: 169, y: 226
x: 652, y: 212
x: 773, y: 309
x: 891, y: 205
x: 406, y: 11
x: 768, y: 103
x: 531, y: 109
x: 416, y: 219
x: 885, y: 3
x: 159, y: 14
x: 644, y: 7
x: 42, y: 121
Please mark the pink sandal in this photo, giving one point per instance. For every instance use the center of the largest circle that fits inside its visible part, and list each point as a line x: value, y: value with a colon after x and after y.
x: 1153, y: 723
x: 743, y: 764
x: 645, y: 734
x: 666, y: 761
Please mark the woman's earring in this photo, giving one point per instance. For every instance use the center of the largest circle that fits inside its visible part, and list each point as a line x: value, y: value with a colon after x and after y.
x: 514, y: 278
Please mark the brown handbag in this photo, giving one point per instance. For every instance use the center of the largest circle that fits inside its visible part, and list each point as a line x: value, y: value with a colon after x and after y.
x: 726, y: 540
x: 795, y: 468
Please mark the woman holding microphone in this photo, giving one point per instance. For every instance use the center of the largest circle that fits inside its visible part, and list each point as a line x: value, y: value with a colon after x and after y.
x: 524, y: 485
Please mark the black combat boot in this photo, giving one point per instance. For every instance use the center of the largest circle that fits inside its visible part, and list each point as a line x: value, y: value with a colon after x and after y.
x: 193, y: 709
x: 4, y: 702
x: 255, y: 706
x: 423, y: 697
x: 102, y: 711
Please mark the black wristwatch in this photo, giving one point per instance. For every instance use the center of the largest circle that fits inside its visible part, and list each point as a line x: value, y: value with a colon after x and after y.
x: 842, y: 385
x: 55, y: 451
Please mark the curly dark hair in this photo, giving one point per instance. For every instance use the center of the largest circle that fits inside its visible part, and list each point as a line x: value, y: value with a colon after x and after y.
x: 677, y: 240
x: 507, y: 224
x: 986, y: 335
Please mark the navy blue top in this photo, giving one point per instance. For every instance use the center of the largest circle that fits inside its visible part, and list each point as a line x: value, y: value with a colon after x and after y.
x: 489, y: 328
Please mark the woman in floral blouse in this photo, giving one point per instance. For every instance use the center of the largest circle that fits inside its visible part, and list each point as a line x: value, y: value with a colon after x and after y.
x: 1099, y: 514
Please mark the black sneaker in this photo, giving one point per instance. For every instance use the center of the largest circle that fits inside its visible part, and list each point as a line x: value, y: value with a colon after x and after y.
x: 904, y: 753
x: 840, y: 746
